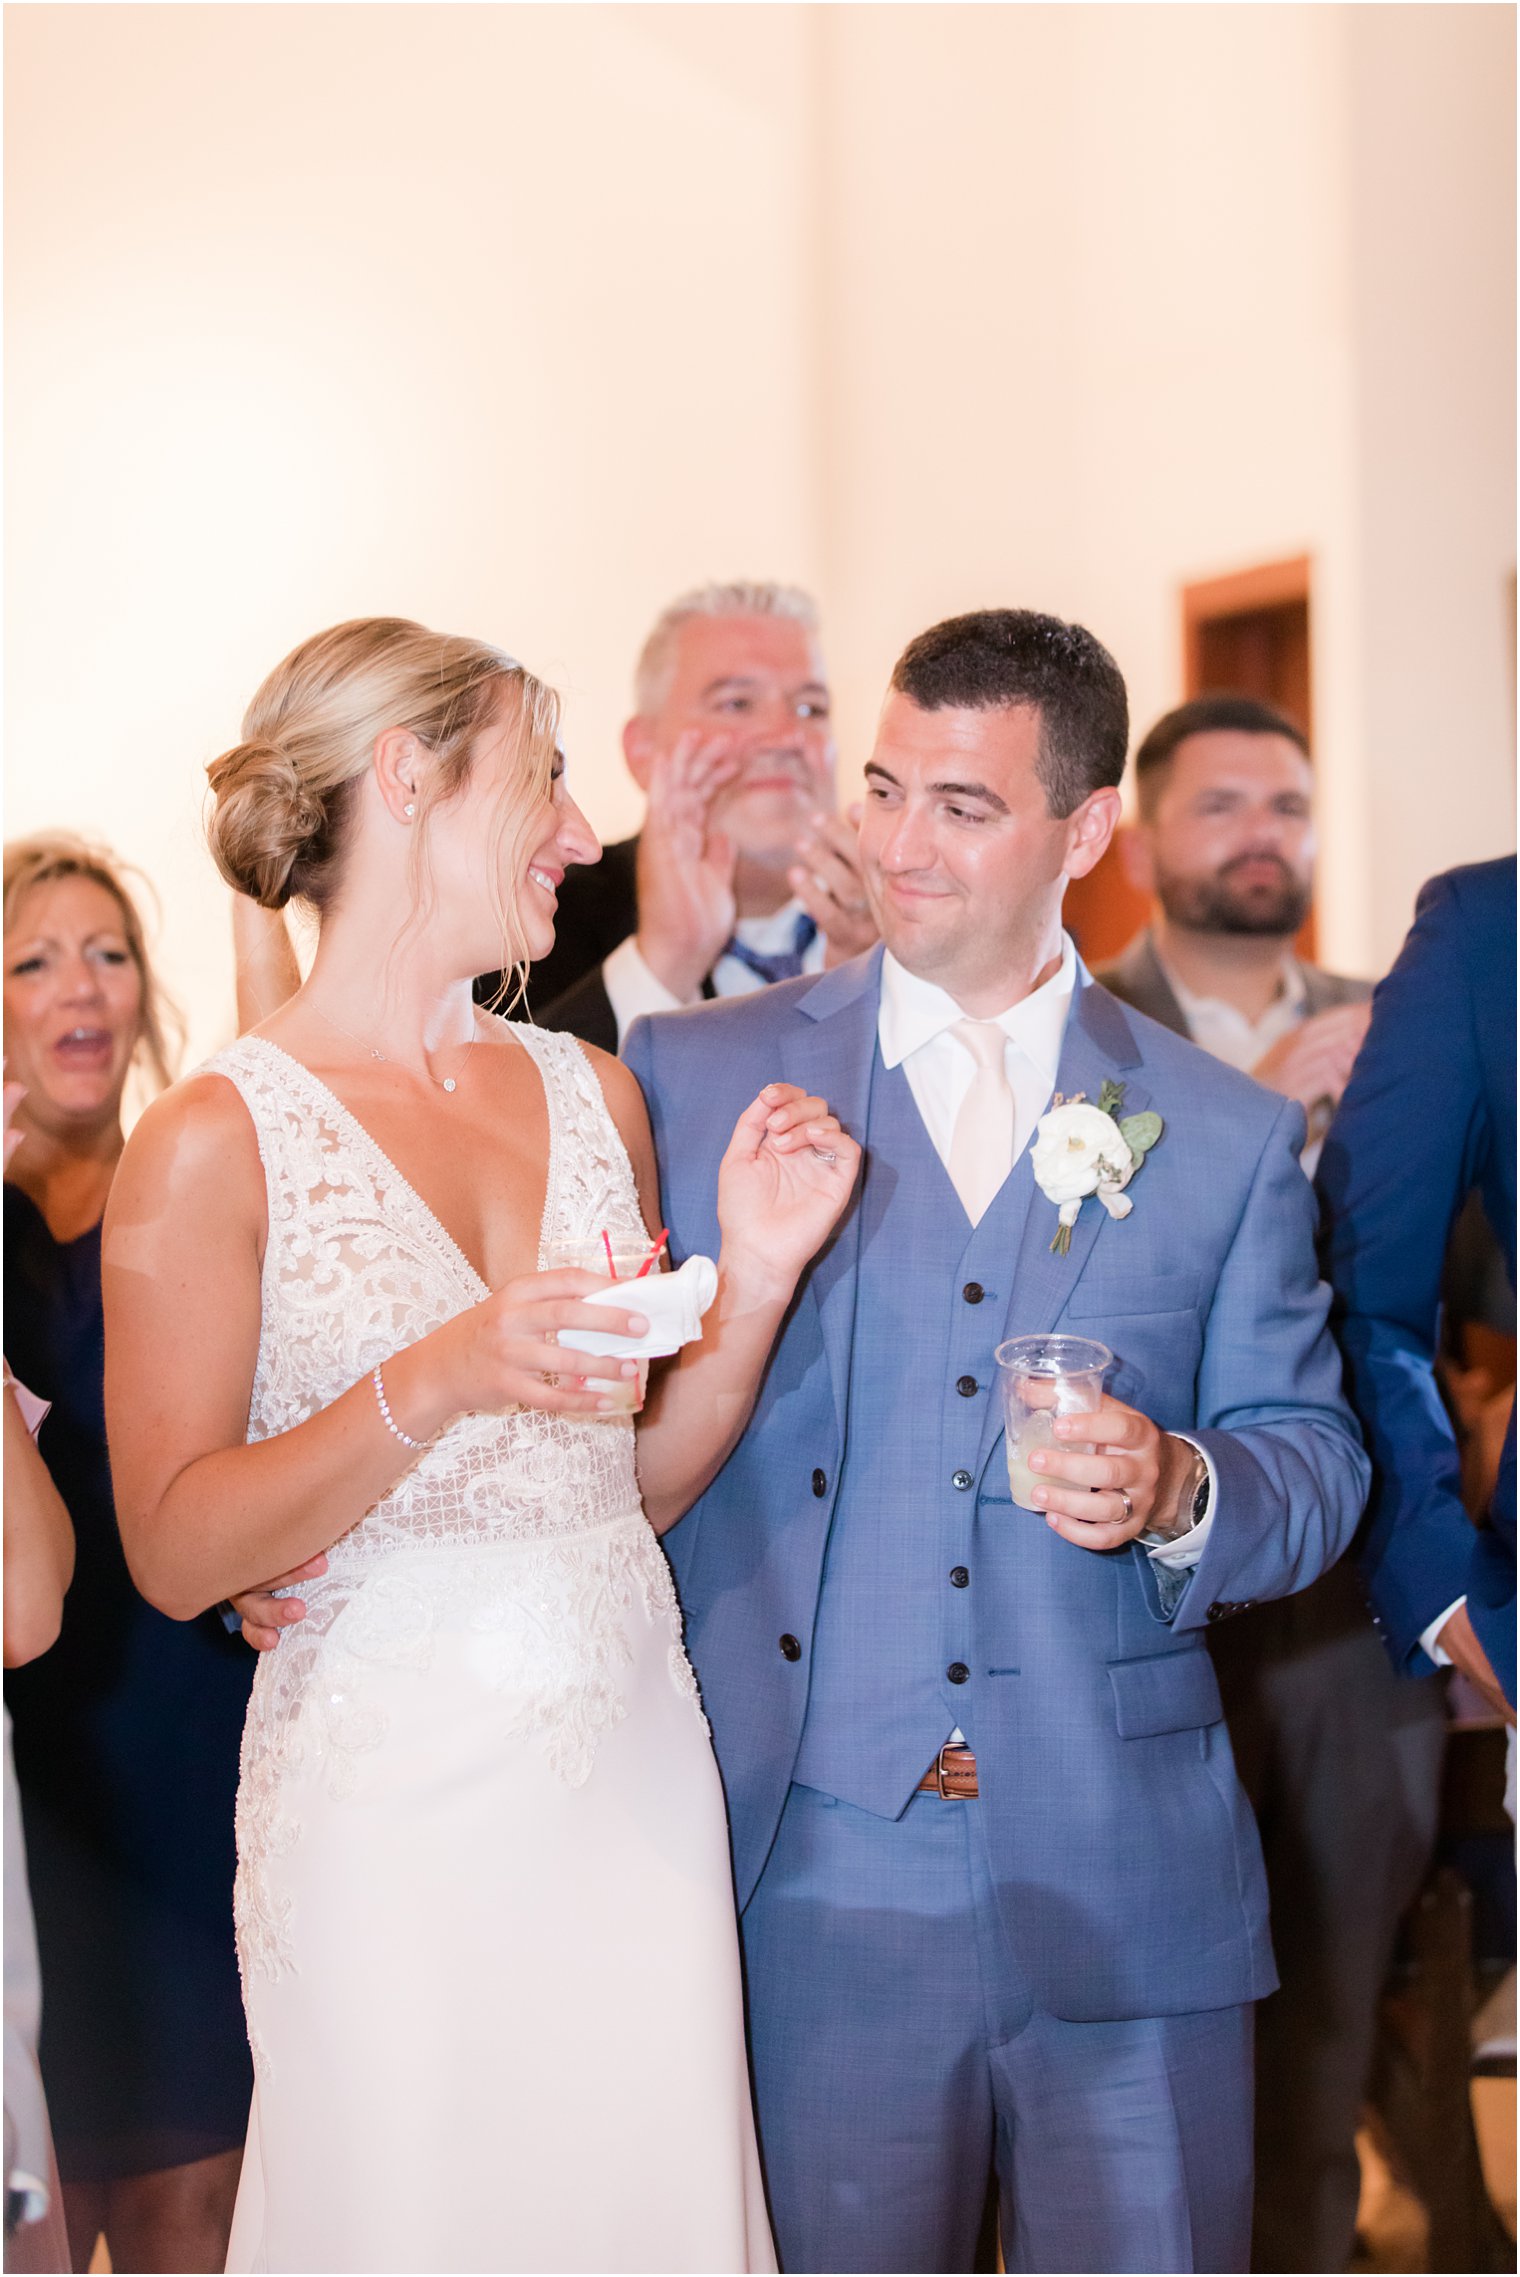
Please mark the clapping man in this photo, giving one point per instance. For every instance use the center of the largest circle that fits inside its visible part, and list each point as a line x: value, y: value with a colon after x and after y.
x: 743, y: 872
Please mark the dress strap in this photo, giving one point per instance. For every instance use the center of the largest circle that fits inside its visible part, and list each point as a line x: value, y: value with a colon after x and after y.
x: 590, y: 1184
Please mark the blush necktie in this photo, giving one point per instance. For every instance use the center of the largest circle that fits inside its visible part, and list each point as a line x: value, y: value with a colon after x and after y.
x: 981, y: 1145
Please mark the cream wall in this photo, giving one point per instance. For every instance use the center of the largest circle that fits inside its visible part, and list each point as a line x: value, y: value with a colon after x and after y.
x: 1133, y: 296
x: 521, y: 318
x: 455, y: 312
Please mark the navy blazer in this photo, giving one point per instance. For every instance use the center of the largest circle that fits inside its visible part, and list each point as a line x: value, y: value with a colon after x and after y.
x: 1428, y: 1117
x: 1125, y: 1854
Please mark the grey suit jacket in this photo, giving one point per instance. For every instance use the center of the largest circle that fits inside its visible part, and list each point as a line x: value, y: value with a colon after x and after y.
x: 1138, y: 978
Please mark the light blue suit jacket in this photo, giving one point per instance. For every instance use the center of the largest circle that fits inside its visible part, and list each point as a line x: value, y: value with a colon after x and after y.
x: 1125, y: 1855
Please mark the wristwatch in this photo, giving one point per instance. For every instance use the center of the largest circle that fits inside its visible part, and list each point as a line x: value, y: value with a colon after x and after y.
x: 1192, y: 1507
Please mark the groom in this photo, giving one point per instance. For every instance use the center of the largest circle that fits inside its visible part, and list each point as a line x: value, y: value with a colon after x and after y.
x: 1002, y: 1897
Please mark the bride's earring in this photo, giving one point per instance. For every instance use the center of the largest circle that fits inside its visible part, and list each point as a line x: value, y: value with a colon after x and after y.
x: 409, y: 809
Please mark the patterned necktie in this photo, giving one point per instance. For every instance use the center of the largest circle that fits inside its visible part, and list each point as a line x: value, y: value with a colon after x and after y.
x: 981, y: 1145
x: 781, y: 964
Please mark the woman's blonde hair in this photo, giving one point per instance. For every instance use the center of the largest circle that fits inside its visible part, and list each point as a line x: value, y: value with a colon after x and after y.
x: 285, y: 794
x: 52, y: 854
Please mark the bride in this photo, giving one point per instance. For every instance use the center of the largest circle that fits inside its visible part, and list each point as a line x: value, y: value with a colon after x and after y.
x: 483, y: 1904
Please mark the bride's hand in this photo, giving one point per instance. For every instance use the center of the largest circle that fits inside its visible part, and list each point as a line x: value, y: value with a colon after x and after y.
x: 503, y: 1353
x: 783, y: 1184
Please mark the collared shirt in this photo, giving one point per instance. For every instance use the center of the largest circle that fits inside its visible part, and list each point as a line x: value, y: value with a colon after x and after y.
x: 913, y: 1030
x: 1226, y: 1032
x: 914, y: 1026
x: 632, y: 989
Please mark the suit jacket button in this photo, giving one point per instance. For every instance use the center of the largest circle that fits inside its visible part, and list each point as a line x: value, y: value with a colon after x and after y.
x: 962, y: 1479
x: 967, y: 1386
x: 973, y: 1292
x: 820, y: 1485
x: 1217, y: 1612
x: 790, y: 1649
x: 958, y: 1577
x: 957, y: 1672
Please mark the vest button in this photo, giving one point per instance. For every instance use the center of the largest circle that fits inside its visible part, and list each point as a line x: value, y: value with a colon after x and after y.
x: 958, y: 1577
x: 790, y: 1649
x: 820, y: 1485
x: 973, y: 1292
x: 962, y: 1479
x: 957, y: 1672
x: 967, y: 1386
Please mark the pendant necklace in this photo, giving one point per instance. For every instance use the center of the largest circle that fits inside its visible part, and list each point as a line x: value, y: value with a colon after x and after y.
x: 444, y: 1082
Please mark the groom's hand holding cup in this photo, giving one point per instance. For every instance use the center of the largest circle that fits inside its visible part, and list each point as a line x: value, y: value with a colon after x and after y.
x: 1137, y: 1479
x: 1100, y: 1472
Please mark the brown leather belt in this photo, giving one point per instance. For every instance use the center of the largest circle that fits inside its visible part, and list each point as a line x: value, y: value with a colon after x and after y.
x: 951, y: 1774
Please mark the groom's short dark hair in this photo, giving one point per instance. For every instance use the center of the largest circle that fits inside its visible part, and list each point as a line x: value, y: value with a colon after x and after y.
x: 996, y: 659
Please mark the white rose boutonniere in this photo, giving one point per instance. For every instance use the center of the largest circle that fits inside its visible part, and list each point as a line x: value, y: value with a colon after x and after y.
x: 1080, y: 1149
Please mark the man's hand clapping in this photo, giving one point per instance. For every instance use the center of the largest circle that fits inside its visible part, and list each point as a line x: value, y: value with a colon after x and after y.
x: 827, y: 882
x: 685, y: 877
x: 1313, y: 1062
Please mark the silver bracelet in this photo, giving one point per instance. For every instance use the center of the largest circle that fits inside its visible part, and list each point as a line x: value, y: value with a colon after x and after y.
x: 386, y: 1416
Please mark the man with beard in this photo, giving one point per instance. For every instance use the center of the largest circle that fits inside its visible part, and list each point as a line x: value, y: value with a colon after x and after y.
x: 1341, y: 1758
x: 1226, y: 845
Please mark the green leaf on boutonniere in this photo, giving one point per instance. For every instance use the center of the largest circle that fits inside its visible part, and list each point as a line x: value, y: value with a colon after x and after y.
x: 1111, y: 1097
x: 1140, y: 1132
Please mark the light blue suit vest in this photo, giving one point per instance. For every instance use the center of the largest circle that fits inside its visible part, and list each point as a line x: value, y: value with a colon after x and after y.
x: 891, y: 1621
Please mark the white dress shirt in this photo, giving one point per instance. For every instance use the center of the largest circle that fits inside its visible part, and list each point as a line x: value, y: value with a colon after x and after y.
x: 632, y: 989
x: 914, y: 1031
x: 1225, y: 1031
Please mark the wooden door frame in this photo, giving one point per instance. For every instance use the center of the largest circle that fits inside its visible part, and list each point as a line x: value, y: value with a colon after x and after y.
x: 1267, y: 586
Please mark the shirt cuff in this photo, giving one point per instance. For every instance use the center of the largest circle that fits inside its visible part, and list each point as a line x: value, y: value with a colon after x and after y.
x: 1428, y: 1644
x: 632, y: 989
x: 1187, y: 1549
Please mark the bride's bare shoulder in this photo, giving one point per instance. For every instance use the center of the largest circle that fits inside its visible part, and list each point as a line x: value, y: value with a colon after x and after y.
x: 198, y: 1130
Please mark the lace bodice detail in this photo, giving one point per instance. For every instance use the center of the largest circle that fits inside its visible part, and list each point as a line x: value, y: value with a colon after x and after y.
x: 357, y: 1267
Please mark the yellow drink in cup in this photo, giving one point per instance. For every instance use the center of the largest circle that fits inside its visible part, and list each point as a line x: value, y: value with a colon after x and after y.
x: 1039, y: 1379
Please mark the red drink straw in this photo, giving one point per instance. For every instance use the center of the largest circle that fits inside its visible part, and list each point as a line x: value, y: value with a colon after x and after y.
x: 653, y: 1258
x: 607, y: 1245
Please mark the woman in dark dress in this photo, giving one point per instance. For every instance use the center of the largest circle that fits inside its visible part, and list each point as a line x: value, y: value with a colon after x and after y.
x: 127, y: 1732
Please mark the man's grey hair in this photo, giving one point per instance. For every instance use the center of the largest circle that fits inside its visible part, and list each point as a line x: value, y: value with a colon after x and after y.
x: 652, y: 674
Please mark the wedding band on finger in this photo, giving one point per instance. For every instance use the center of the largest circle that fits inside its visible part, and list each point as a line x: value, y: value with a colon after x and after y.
x: 1129, y: 1508
x: 825, y: 1154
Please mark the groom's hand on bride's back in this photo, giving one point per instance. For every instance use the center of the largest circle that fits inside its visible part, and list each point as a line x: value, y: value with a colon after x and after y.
x: 263, y: 1613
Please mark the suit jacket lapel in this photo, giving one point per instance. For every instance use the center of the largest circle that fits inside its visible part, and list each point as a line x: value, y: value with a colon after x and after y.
x: 1098, y: 1043
x: 830, y: 1051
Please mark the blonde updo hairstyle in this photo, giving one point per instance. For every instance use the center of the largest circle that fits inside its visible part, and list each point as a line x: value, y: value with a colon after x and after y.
x: 54, y: 854
x: 285, y: 795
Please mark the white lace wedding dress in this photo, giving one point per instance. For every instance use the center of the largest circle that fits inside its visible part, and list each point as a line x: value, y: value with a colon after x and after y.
x: 483, y: 1902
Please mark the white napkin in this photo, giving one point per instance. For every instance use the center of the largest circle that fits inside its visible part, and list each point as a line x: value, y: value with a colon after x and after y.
x: 672, y: 1303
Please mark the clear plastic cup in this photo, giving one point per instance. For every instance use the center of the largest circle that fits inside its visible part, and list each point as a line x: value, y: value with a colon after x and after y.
x: 626, y: 1392
x: 1039, y: 1378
